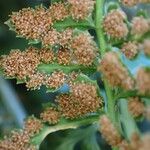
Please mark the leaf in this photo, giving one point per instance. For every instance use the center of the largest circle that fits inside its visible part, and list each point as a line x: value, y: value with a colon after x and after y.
x: 49, y: 68
x: 63, y: 125
x: 70, y: 23
x: 34, y: 41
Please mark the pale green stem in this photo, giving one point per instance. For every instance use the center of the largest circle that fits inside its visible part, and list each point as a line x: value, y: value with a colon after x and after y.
x: 102, y: 50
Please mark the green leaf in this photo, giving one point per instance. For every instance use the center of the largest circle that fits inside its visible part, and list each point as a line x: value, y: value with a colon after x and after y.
x: 34, y: 41
x: 63, y: 125
x: 70, y: 23
x: 49, y: 68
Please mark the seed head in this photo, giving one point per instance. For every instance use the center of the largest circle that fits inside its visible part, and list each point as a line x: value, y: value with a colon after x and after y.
x: 32, y: 126
x: 114, y: 71
x: 109, y: 132
x: 84, y: 49
x: 82, y: 101
x: 56, y: 79
x: 130, y: 50
x: 114, y: 24
x: 139, y: 26
x: 136, y: 106
x: 81, y: 9
x: 50, y: 115
x: 143, y: 81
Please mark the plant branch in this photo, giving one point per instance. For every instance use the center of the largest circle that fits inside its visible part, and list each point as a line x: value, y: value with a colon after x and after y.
x: 102, y: 49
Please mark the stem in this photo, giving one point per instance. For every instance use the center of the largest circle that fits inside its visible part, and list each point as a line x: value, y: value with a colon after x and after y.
x: 102, y: 49
x: 37, y: 140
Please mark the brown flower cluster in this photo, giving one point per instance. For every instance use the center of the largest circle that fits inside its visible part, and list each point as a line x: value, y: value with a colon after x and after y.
x: 21, y: 64
x: 114, y: 71
x: 32, y: 23
x: 139, y: 26
x: 136, y: 106
x: 20, y: 140
x: 130, y: 49
x: 81, y: 9
x: 131, y: 3
x: 84, y: 49
x: 50, y: 115
x: 143, y: 80
x: 38, y: 23
x: 109, y: 132
x: 82, y: 100
x: 114, y: 24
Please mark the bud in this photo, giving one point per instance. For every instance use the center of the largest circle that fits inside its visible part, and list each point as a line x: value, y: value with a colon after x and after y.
x: 130, y: 49
x: 114, y: 24
x: 115, y: 72
x: 109, y: 132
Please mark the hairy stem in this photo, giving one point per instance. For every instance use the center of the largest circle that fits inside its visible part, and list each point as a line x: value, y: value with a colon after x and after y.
x: 102, y: 49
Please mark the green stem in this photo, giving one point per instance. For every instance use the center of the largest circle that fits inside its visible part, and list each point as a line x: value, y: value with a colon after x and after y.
x: 102, y: 49
x: 37, y: 140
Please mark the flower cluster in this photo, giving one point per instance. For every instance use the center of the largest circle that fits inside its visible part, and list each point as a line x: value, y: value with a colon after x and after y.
x: 82, y: 100
x: 114, y: 24
x: 114, y: 71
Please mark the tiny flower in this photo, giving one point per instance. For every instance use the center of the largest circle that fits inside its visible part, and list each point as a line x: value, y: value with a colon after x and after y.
x: 130, y: 49
x: 136, y: 107
x: 115, y: 72
x: 143, y: 81
x: 109, y: 132
x: 114, y: 24
x: 50, y: 115
x: 81, y: 9
x: 129, y: 3
x: 84, y: 49
x: 139, y: 26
